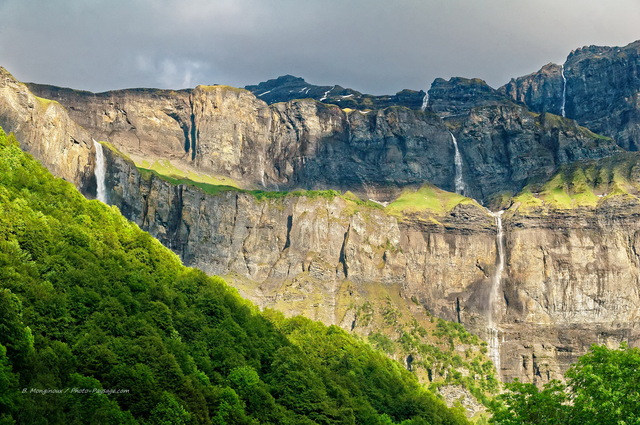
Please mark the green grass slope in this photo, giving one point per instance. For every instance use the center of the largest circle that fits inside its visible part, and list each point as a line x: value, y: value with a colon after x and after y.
x: 101, y: 324
x: 585, y: 184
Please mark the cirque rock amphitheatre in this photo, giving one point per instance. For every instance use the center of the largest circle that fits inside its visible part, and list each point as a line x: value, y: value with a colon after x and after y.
x: 556, y: 270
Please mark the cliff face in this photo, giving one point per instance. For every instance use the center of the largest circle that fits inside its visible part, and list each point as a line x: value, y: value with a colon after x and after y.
x: 540, y: 91
x: 601, y: 91
x: 571, y: 277
x: 571, y: 280
x: 45, y: 130
x: 229, y: 133
x: 503, y: 145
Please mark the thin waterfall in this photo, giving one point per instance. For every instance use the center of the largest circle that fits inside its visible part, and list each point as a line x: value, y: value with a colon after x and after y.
x: 564, y: 92
x: 457, y: 160
x: 348, y: 125
x: 261, y: 169
x: 494, y: 337
x: 425, y: 102
x: 100, y: 171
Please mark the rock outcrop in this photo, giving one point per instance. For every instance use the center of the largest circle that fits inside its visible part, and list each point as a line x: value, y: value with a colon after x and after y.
x: 458, y: 96
x: 602, y: 91
x: 45, y: 130
x: 503, y: 144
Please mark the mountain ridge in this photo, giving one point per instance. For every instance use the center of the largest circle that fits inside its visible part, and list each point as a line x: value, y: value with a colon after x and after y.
x: 308, y: 144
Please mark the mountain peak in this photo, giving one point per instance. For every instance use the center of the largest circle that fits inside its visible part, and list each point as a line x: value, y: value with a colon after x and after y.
x: 459, y: 95
x: 289, y: 87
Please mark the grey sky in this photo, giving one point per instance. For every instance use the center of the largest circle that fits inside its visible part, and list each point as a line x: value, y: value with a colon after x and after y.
x: 375, y: 46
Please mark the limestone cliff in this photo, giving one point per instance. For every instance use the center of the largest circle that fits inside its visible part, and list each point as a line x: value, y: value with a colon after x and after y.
x: 45, y: 130
x: 600, y: 90
x: 229, y: 134
x: 571, y: 276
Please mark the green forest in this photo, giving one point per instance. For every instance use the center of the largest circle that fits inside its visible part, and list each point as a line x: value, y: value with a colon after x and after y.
x: 601, y: 388
x: 100, y: 324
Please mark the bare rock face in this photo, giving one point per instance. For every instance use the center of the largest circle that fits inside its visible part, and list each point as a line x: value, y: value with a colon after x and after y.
x: 459, y: 95
x: 541, y: 91
x: 572, y: 280
x: 601, y: 92
x: 46, y: 131
x: 227, y: 132
x: 503, y: 144
x: 146, y: 123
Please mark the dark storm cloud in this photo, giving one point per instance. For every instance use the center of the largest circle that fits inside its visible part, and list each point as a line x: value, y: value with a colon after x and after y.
x: 371, y: 45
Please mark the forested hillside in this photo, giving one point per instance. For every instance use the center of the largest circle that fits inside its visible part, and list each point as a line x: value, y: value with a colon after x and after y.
x: 101, y: 324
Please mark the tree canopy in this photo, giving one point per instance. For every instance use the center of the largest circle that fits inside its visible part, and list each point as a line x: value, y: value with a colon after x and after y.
x: 603, y: 387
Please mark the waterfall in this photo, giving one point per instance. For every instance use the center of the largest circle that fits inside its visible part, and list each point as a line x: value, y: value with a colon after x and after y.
x: 494, y: 341
x: 564, y: 92
x: 348, y: 125
x: 261, y: 169
x: 425, y: 102
x: 100, y: 171
x: 457, y: 160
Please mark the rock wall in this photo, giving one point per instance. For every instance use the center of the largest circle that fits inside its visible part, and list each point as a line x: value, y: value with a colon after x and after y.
x: 602, y: 91
x: 571, y: 277
x: 228, y: 132
x: 45, y: 130
x: 572, y: 280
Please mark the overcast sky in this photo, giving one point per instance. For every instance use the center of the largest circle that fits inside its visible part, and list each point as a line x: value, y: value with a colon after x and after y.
x: 374, y: 46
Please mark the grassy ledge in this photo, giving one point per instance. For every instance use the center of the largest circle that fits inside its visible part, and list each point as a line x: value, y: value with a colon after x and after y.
x: 585, y: 184
x: 428, y: 199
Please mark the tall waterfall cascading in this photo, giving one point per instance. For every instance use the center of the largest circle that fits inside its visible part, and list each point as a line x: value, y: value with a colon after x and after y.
x: 494, y: 333
x: 100, y: 171
x: 457, y: 160
x: 564, y: 92
x: 425, y: 102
